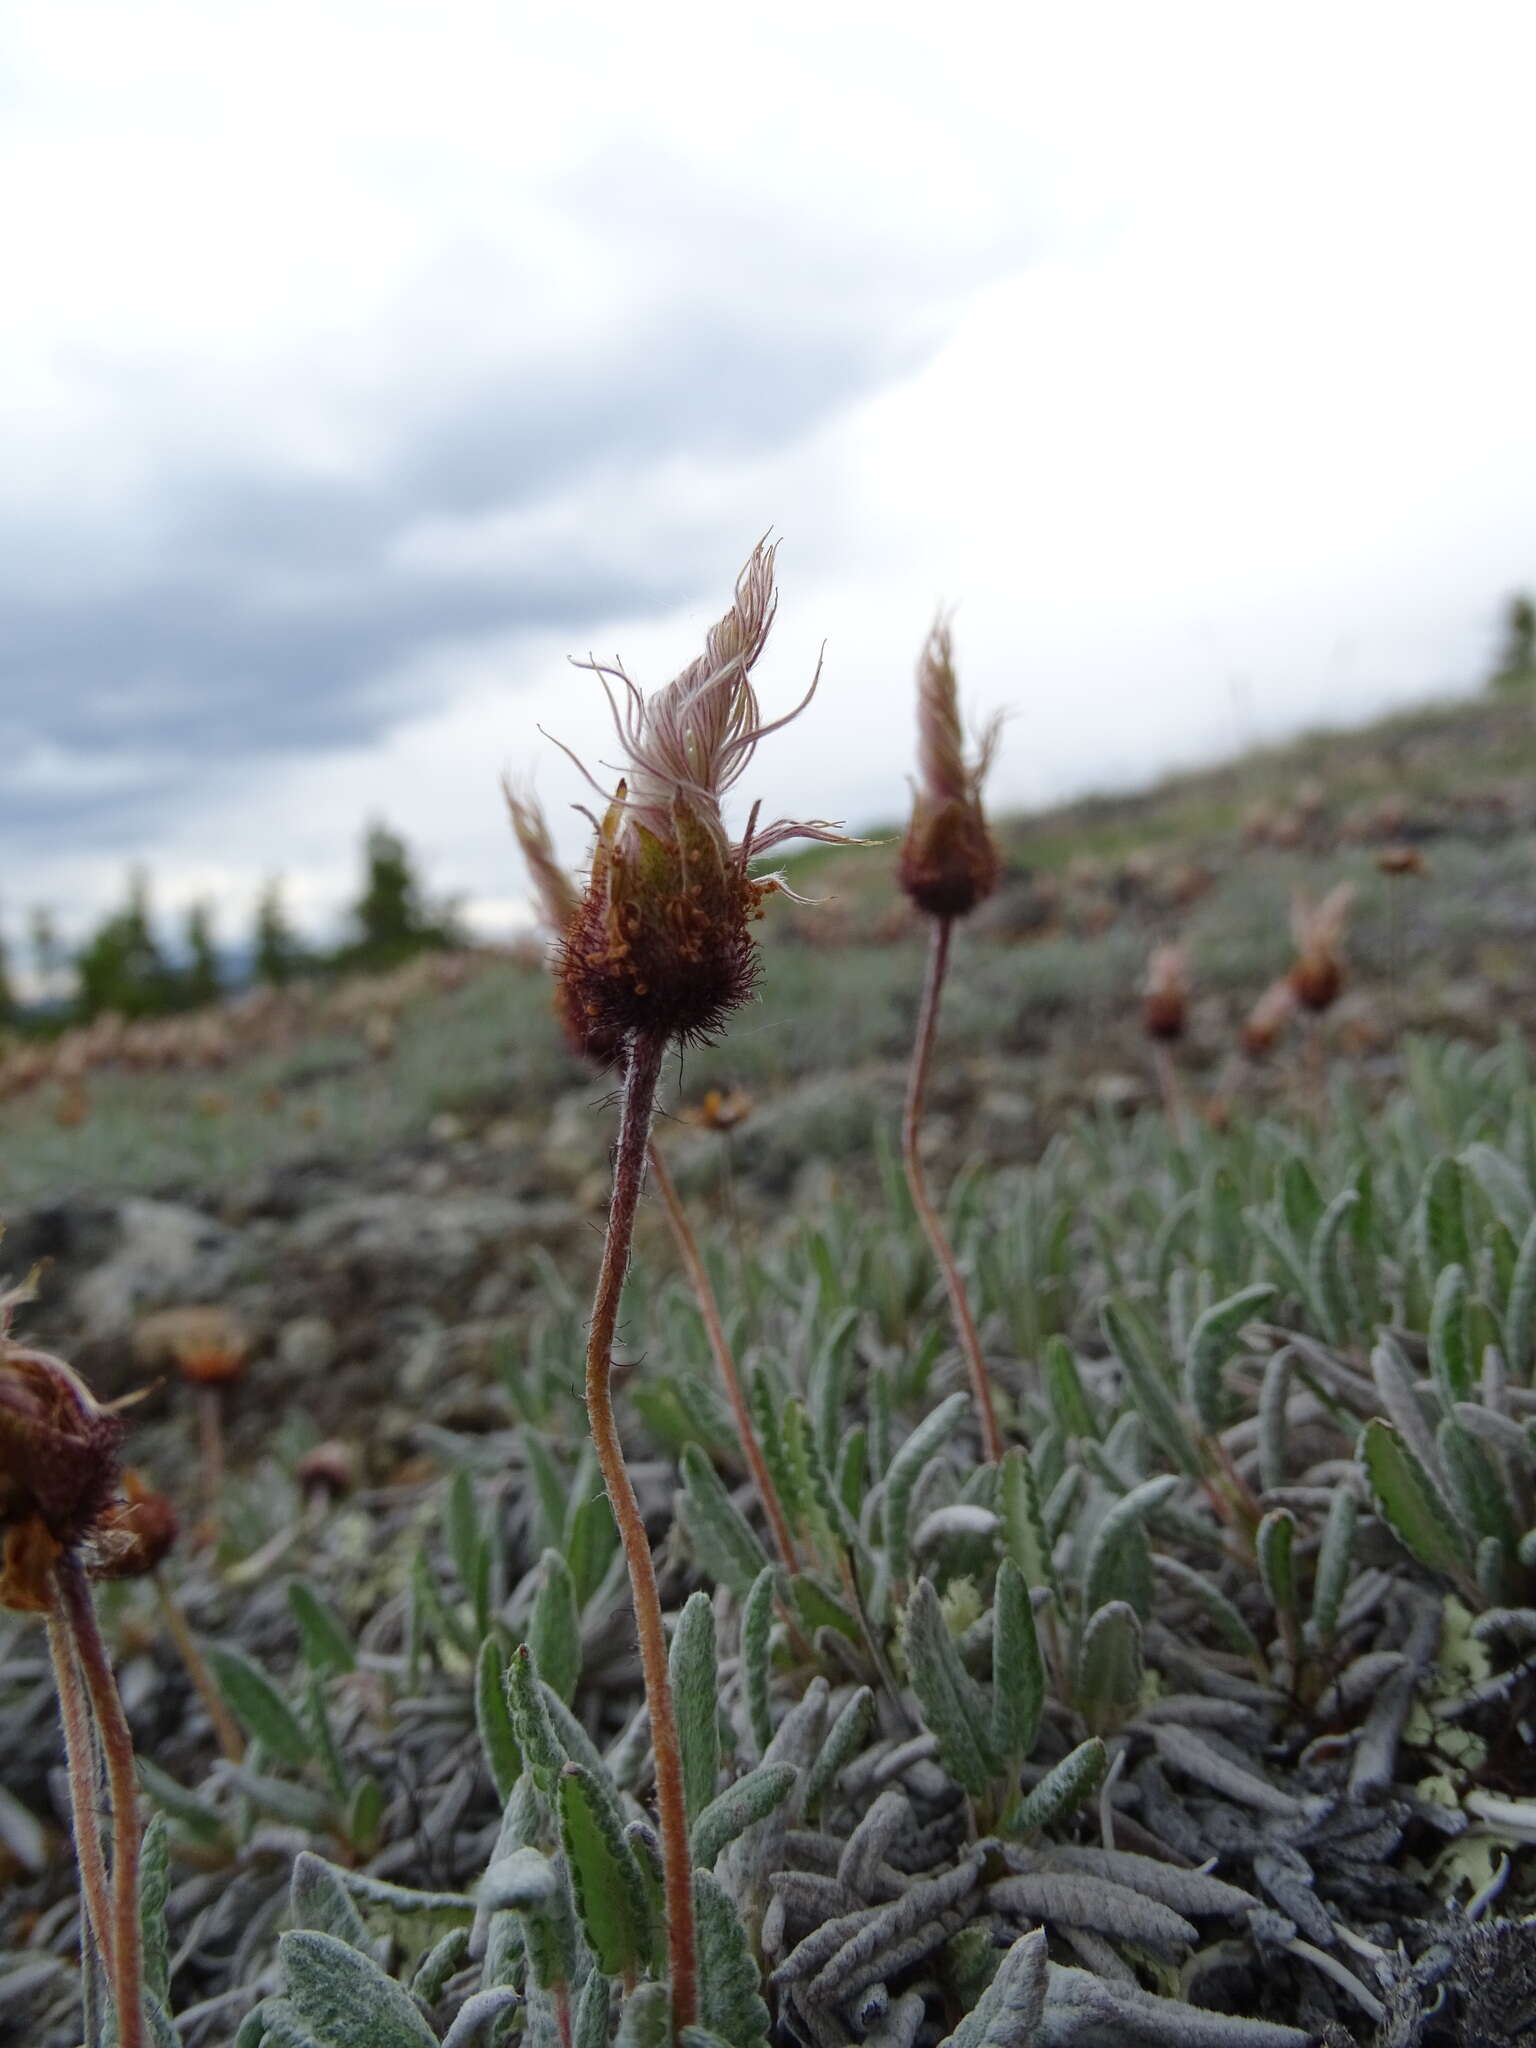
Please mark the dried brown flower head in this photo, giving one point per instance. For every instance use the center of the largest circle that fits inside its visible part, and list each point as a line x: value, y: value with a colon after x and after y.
x: 661, y: 940
x: 1401, y: 859
x: 1268, y: 1018
x: 58, y: 1469
x: 1318, y: 929
x: 330, y: 1468
x: 205, y: 1344
x: 949, y: 859
x: 1165, y: 993
x: 132, y: 1535
x: 559, y: 899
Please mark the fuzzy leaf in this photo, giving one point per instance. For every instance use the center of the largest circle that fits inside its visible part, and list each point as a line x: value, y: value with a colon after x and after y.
x: 751, y: 1799
x: 319, y: 1900
x: 1018, y: 1671
x: 716, y: 1527
x: 1450, y: 1339
x: 1210, y: 1346
x: 344, y: 1999
x: 554, y: 1627
x: 1276, y: 1547
x: 591, y: 2030
x: 929, y: 1436
x: 1220, y: 1610
x: 1133, y: 1343
x: 1442, y: 1221
x: 756, y: 1629
x: 1483, y: 1508
x: 590, y: 1544
x: 1109, y: 1665
x: 1411, y: 1502
x: 1520, y: 1309
x: 1007, y: 2015
x: 949, y: 1697
x: 494, y: 1720
x: 328, y: 1648
x: 695, y: 1697
x: 1333, y: 1562
x: 154, y: 1890
x: 610, y: 1893
x: 532, y: 1726
x: 1023, y: 1525
x: 259, y: 1707
x: 845, y: 1738
x: 646, y: 2021
x: 730, y: 1997
x: 1120, y: 1546
x: 1328, y: 1290
x: 1065, y: 1391
x: 1063, y: 1789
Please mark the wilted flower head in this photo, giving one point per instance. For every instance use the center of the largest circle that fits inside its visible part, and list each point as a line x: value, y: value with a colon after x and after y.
x: 1318, y: 930
x: 1268, y: 1018
x: 131, y: 1536
x: 661, y: 940
x: 1165, y: 993
x: 559, y: 900
x: 58, y: 1468
x: 949, y: 859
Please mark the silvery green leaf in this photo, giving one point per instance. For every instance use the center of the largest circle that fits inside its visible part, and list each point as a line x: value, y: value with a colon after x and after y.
x: 1218, y: 1608
x: 300, y: 1805
x: 1065, y: 1391
x: 1327, y: 1290
x: 716, y: 1527
x: 493, y: 1718
x: 695, y: 1697
x: 1194, y: 1893
x: 845, y: 1738
x: 327, y: 1646
x: 318, y: 1899
x: 1333, y: 1561
x: 610, y: 1894
x: 738, y: 1807
x: 591, y: 2030
x: 1411, y: 1502
x: 1082, y: 2008
x: 1007, y: 2015
x: 442, y: 1961
x: 554, y: 1627
x: 1119, y: 1547
x: 1394, y: 1383
x: 646, y: 2018
x: 1520, y: 1309
x: 1441, y: 1220
x: 1018, y: 1670
x: 344, y: 1999
x: 1063, y: 1789
x: 1109, y: 1665
x: 929, y: 1437
x: 1139, y: 1352
x: 950, y: 1698
x: 591, y: 1544
x: 1083, y: 1899
x: 533, y: 1727
x: 478, y: 2014
x: 1275, y: 1544
x: 259, y: 1707
x: 1274, y: 1396
x: 756, y: 1630
x: 1477, y: 1493
x: 730, y: 1995
x: 1210, y: 1346
x: 1198, y: 1759
x: 1503, y: 1184
x: 1450, y: 1342
x: 1024, y: 1533
x: 154, y: 1889
x: 467, y: 1545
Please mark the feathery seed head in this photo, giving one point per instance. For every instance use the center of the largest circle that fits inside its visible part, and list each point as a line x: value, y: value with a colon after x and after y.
x: 949, y: 859
x: 559, y: 900
x: 661, y: 940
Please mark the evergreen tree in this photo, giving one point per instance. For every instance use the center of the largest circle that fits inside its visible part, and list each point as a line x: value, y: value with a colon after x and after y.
x: 278, y: 955
x: 121, y: 966
x: 47, y: 954
x: 202, y: 975
x: 391, y: 918
x: 1517, y: 658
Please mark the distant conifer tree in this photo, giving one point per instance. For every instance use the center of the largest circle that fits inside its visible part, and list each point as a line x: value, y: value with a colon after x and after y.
x: 203, y: 981
x: 121, y: 966
x: 278, y: 954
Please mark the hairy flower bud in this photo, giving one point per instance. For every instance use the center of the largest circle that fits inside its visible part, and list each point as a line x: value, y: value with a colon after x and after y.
x: 1165, y: 993
x: 661, y: 940
x: 559, y: 900
x: 58, y: 1469
x: 949, y: 859
x: 1268, y: 1018
x: 1317, y: 976
x: 132, y: 1535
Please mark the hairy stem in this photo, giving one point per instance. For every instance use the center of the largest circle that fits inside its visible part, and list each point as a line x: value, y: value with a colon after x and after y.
x: 80, y: 1761
x: 709, y: 1309
x: 628, y: 1178
x: 125, y: 1955
x: 225, y: 1727
x: 922, y: 1201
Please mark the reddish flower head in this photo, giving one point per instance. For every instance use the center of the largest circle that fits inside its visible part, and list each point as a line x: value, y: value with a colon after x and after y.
x: 1318, y: 929
x: 661, y: 940
x: 949, y: 859
x: 1165, y: 993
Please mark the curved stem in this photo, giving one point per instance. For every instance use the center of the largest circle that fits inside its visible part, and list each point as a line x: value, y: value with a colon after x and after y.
x: 125, y: 1956
x: 80, y: 1761
x: 225, y: 1727
x: 922, y: 1201
x: 709, y: 1309
x: 628, y: 1178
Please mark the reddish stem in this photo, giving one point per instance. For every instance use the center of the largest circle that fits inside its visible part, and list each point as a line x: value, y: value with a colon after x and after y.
x: 928, y: 1215
x: 125, y: 1956
x: 628, y: 1178
x: 709, y: 1309
x: 80, y: 1760
x: 225, y: 1727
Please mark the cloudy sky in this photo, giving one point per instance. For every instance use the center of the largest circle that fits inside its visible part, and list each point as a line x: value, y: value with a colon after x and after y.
x: 363, y: 362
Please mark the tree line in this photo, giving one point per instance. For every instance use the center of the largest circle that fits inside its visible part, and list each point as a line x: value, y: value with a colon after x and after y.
x: 124, y: 965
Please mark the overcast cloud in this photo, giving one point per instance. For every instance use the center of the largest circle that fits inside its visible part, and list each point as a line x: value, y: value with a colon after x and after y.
x: 363, y: 362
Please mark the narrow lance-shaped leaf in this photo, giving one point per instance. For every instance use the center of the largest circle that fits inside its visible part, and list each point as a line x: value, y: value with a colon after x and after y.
x: 259, y: 1707
x: 1018, y: 1670
x: 929, y: 1436
x: 718, y: 1530
x: 610, y: 1892
x: 845, y: 1738
x: 695, y: 1695
x: 1023, y: 1524
x: 1133, y: 1344
x: 1520, y: 1309
x: 756, y: 1635
x: 1109, y: 1665
x: 1450, y: 1338
x: 1411, y: 1502
x: 494, y: 1720
x: 739, y: 1807
x: 1110, y: 1574
x: 328, y: 1648
x: 948, y: 1695
x: 532, y: 1727
x: 344, y: 1998
x: 1276, y: 1547
x: 1328, y: 1290
x: 554, y: 1627
x: 1333, y: 1562
x: 1210, y: 1346
x: 1063, y: 1789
